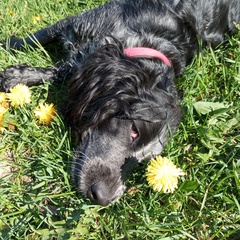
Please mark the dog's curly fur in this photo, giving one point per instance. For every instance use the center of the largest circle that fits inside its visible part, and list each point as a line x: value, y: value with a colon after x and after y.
x: 111, y: 94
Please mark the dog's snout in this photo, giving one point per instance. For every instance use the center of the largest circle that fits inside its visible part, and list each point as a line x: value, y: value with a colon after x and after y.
x: 97, y: 193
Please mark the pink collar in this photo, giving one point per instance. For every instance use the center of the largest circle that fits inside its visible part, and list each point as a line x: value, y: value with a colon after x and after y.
x: 146, y: 52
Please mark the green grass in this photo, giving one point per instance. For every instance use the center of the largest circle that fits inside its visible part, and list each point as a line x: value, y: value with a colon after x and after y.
x: 37, y: 200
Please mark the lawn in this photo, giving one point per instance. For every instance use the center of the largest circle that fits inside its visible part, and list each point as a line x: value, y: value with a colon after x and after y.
x: 37, y: 197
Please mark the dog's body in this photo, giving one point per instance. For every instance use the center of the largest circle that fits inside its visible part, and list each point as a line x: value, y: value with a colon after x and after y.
x: 124, y: 108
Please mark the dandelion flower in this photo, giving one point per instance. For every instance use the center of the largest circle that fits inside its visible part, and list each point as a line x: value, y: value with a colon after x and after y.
x: 37, y: 19
x: 10, y: 12
x: 4, y: 100
x: 3, y: 110
x: 162, y: 174
x: 45, y: 112
x: 3, y: 97
x: 19, y: 95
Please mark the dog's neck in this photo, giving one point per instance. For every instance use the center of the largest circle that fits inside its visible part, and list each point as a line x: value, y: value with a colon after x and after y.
x: 147, y: 52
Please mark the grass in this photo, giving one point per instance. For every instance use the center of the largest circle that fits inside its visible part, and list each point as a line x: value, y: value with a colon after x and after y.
x: 37, y: 200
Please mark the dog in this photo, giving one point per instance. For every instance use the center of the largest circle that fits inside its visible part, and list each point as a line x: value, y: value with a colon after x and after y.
x: 121, y: 61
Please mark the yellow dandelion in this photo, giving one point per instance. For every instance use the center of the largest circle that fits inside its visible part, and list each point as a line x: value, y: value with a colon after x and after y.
x: 37, y: 19
x: 10, y: 12
x: 4, y: 100
x: 45, y: 112
x: 162, y: 174
x: 19, y: 95
x: 3, y: 110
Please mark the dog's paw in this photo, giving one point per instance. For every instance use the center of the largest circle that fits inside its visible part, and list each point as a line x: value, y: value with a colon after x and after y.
x: 12, y: 43
x: 22, y: 73
x: 10, y: 77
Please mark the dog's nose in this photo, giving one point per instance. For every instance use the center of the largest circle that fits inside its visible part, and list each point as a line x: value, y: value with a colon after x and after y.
x: 97, y: 193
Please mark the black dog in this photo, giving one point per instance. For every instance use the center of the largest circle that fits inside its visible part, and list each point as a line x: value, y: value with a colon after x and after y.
x: 123, y: 59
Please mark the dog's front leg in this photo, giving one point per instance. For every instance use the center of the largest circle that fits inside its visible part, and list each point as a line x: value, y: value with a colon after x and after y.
x: 26, y: 75
x: 75, y: 29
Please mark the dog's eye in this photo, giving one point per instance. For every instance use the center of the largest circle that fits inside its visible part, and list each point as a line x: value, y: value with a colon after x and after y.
x: 134, y: 132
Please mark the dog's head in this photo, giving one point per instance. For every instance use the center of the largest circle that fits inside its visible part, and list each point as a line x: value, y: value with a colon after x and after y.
x: 123, y: 110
